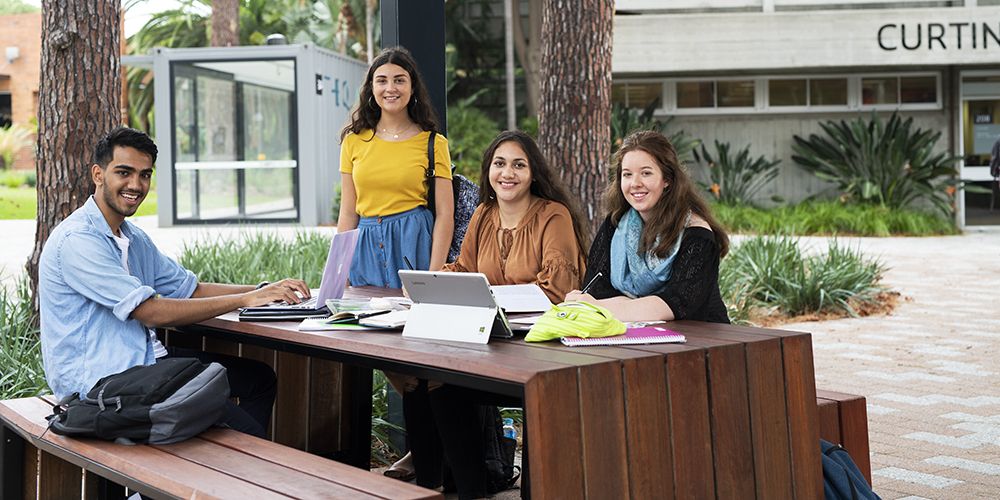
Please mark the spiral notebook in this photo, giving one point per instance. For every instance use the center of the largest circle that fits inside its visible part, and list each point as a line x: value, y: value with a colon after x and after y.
x: 632, y: 336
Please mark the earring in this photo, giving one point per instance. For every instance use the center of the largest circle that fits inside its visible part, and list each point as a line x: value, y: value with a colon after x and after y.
x: 371, y: 101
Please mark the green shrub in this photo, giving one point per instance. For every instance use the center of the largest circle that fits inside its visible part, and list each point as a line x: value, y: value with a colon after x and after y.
x: 772, y: 273
x: 255, y: 257
x: 736, y: 178
x: 12, y: 139
x: 888, y: 164
x: 470, y: 131
x: 21, y: 373
x: 12, y: 179
x: 31, y: 178
x: 832, y: 218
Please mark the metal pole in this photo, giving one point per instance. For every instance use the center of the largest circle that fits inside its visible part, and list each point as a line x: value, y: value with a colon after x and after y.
x: 508, y: 8
x: 418, y: 25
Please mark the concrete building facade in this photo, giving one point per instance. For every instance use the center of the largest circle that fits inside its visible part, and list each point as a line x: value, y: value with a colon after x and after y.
x: 758, y: 72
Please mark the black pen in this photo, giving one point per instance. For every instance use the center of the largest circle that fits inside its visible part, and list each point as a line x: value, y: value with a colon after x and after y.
x: 592, y: 280
x: 357, y: 316
x: 408, y: 264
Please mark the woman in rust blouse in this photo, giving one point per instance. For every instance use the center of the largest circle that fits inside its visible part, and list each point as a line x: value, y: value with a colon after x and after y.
x: 526, y: 228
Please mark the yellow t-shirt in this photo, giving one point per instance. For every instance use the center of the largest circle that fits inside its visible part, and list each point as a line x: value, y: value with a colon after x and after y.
x: 389, y: 176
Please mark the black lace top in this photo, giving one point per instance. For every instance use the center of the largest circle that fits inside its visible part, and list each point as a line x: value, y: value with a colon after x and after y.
x: 693, y: 289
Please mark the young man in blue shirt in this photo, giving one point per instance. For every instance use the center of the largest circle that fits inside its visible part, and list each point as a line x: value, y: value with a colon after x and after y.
x: 103, y: 286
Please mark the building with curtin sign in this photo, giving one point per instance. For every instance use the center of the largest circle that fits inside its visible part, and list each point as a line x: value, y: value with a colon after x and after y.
x: 758, y: 72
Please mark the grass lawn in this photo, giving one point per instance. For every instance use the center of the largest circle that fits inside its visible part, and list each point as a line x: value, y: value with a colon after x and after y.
x: 21, y: 203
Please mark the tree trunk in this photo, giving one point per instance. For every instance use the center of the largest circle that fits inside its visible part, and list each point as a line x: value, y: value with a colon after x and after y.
x: 370, y: 7
x: 79, y: 100
x: 225, y: 23
x: 529, y: 49
x: 574, y: 120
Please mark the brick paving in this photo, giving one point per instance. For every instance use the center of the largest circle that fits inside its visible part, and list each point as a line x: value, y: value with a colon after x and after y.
x: 930, y: 371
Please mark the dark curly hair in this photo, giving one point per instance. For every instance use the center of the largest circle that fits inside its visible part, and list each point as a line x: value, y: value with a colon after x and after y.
x: 670, y: 211
x: 367, y: 113
x: 123, y: 137
x: 545, y: 184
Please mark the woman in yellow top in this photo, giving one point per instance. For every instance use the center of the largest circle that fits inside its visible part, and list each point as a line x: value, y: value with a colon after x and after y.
x: 383, y: 159
x: 525, y: 230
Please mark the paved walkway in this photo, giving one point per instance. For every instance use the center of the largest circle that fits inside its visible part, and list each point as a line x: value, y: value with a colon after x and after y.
x: 929, y: 371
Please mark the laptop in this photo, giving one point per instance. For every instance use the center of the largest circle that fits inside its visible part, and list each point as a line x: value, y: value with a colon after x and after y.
x: 332, y: 285
x: 452, y: 306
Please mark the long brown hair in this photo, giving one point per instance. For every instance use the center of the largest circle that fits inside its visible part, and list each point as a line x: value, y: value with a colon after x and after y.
x: 367, y: 113
x: 544, y: 184
x: 669, y: 215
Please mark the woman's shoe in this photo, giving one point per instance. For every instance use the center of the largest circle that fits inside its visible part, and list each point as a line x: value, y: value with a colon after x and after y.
x: 402, y: 469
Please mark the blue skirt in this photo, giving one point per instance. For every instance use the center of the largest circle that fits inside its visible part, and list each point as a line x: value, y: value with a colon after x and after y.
x: 384, y: 241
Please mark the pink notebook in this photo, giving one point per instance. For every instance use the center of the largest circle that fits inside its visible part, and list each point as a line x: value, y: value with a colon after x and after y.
x: 632, y: 336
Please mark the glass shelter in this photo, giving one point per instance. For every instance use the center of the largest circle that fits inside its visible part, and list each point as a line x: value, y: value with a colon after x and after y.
x: 250, y: 134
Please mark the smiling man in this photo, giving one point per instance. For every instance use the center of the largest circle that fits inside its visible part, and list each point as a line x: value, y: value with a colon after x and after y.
x: 103, y: 286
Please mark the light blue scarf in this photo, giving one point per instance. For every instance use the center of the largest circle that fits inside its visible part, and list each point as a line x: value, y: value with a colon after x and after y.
x: 636, y: 275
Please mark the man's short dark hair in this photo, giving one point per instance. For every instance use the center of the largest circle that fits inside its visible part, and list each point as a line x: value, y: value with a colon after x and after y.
x: 124, y: 137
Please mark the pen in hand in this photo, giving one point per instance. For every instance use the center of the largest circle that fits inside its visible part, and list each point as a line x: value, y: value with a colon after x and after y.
x: 591, y: 283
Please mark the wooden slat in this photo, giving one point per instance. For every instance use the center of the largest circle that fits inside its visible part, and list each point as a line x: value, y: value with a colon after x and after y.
x: 853, y: 421
x: 308, y: 464
x: 689, y: 416
x: 555, y: 436
x: 769, y: 419
x: 251, y: 469
x: 325, y: 408
x: 803, y: 417
x: 58, y: 478
x: 96, y: 487
x: 647, y: 414
x: 291, y: 407
x: 829, y: 419
x: 602, y: 409
x: 31, y: 455
x: 141, y: 468
x: 732, y: 444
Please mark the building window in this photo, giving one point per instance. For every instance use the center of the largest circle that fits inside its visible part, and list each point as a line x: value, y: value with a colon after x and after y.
x: 828, y: 92
x: 787, y: 92
x: 710, y: 94
x: 637, y: 94
x: 918, y: 90
x: 880, y: 90
x: 793, y: 94
x: 736, y: 94
x: 696, y: 94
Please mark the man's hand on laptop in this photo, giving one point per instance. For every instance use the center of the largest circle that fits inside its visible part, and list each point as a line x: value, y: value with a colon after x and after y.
x: 288, y: 290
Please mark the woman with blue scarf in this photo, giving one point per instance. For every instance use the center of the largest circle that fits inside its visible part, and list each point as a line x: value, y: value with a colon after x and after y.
x: 656, y: 256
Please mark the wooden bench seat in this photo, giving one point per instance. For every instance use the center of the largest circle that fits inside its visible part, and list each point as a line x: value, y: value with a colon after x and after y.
x: 843, y: 420
x: 220, y: 463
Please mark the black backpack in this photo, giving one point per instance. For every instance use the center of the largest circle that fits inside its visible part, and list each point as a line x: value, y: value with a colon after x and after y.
x: 501, y: 473
x: 466, y: 195
x: 165, y: 402
x: 842, y: 480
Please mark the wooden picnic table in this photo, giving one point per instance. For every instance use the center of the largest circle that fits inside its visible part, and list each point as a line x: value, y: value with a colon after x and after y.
x: 730, y: 414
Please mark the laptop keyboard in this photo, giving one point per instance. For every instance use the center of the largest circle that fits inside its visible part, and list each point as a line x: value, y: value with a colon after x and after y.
x: 306, y: 304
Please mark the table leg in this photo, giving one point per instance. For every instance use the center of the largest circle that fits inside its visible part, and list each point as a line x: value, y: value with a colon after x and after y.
x: 11, y: 464
x: 358, y: 396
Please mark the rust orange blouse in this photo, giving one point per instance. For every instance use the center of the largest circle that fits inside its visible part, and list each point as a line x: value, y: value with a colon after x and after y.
x: 542, y: 249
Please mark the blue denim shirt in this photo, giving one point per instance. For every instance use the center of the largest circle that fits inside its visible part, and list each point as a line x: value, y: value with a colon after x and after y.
x: 86, y: 298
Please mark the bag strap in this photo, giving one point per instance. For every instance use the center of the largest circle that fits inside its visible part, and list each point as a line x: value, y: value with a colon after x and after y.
x: 429, y: 171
